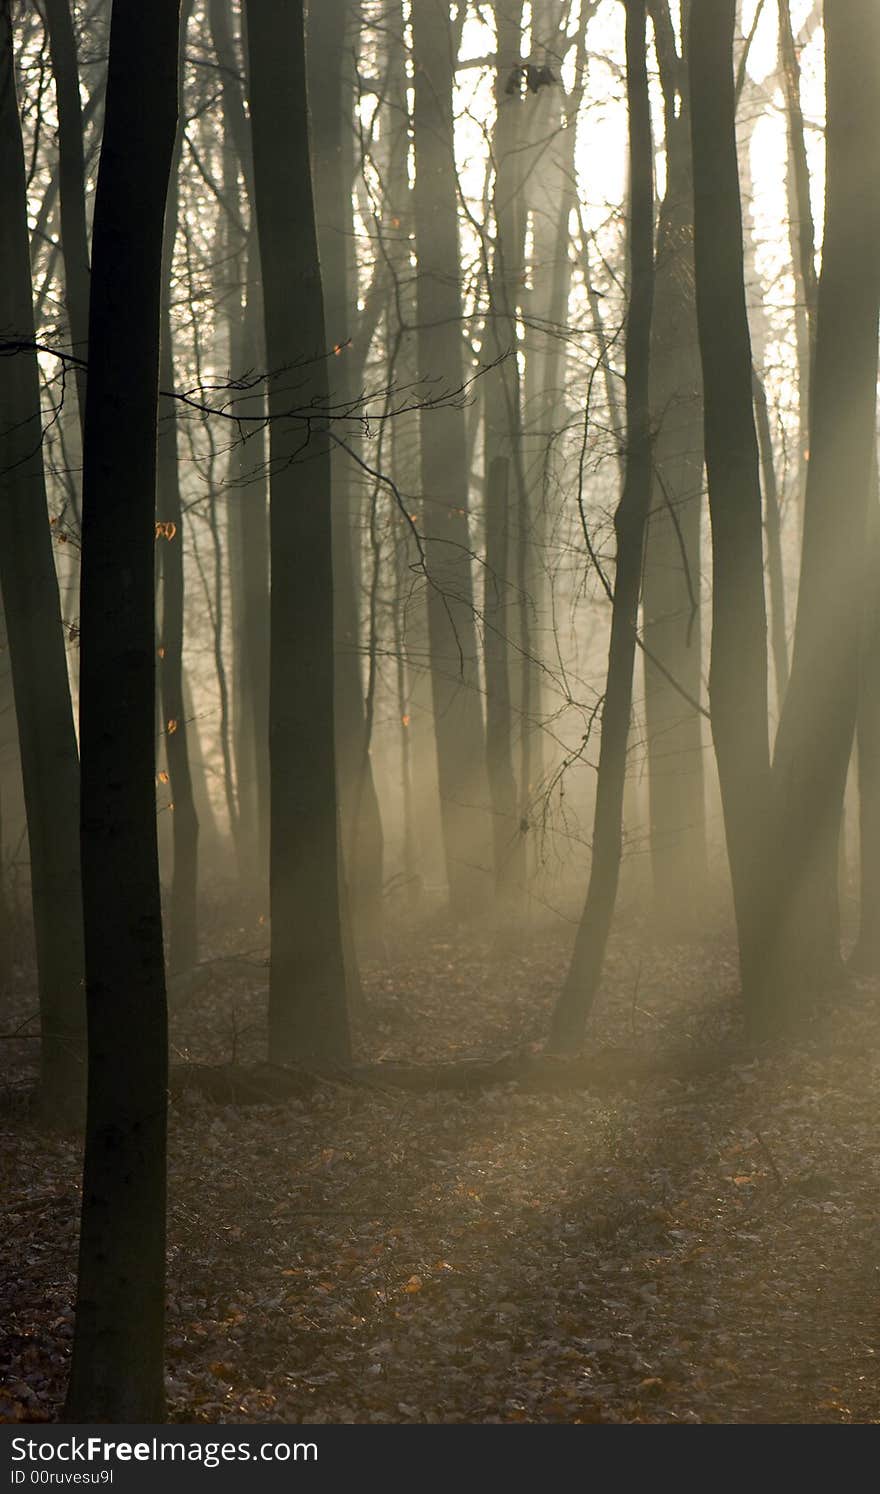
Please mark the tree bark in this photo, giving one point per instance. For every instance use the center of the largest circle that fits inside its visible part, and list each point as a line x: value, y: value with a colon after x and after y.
x: 458, y: 716
x: 71, y: 182
x: 308, y: 1015
x: 865, y: 957
x: 183, y: 920
x: 815, y: 736
x: 332, y: 98
x: 32, y: 608
x: 117, y: 1371
x: 671, y: 601
x: 738, y: 670
x: 585, y: 970
x: 505, y: 493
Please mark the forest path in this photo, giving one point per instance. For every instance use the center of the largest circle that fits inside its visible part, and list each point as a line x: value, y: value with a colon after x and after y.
x: 688, y: 1249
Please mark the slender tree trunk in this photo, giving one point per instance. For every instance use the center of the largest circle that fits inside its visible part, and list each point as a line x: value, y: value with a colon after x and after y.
x: 585, y: 970
x: 497, y: 613
x: 36, y: 642
x: 308, y: 1016
x: 183, y: 942
x: 801, y: 233
x: 672, y: 612
x: 117, y: 1371
x: 330, y: 61
x: 815, y: 736
x: 458, y: 717
x: 249, y: 522
x: 504, y: 480
x: 738, y: 671
x: 421, y: 807
x: 72, y: 182
x: 865, y: 957
x: 551, y: 195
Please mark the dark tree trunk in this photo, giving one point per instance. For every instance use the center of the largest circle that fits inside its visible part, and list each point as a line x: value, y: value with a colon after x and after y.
x: 308, y: 1014
x: 118, y: 1348
x: 865, y: 957
x: 504, y: 476
x: 815, y: 736
x: 497, y: 616
x: 72, y: 182
x: 458, y: 716
x: 249, y: 523
x: 671, y: 600
x: 183, y: 940
x: 331, y: 103
x: 738, y: 671
x: 250, y: 519
x: 585, y: 970
x: 36, y: 643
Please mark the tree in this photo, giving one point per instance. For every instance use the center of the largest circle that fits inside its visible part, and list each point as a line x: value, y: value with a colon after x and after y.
x: 503, y: 461
x: 41, y: 688
x: 738, y: 668
x: 71, y: 183
x: 815, y: 736
x: 865, y: 957
x: 671, y: 600
x: 249, y: 523
x: 458, y: 716
x: 308, y: 1016
x: 116, y: 1374
x: 183, y: 943
x: 585, y: 970
x: 331, y: 109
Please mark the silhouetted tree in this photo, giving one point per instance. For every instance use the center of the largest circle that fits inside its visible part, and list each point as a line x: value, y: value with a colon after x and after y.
x: 458, y: 716
x: 671, y: 602
x: 116, y: 1374
x: 331, y: 96
x: 738, y: 669
x: 183, y: 941
x: 815, y: 736
x: 36, y: 641
x: 585, y: 970
x: 71, y: 182
x: 308, y: 1016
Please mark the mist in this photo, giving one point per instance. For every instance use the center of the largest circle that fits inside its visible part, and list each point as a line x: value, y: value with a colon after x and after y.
x: 439, y: 710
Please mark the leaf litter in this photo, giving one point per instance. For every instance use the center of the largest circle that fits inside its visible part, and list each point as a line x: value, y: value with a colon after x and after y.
x: 699, y: 1245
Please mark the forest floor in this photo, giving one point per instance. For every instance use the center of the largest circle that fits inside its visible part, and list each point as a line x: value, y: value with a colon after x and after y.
x: 700, y: 1244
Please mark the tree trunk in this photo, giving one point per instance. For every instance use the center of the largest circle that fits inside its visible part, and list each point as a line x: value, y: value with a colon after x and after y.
x: 551, y: 196
x: 72, y: 183
x: 183, y: 942
x: 865, y: 957
x: 247, y: 495
x: 458, y: 717
x: 802, y: 238
x: 585, y: 970
x: 815, y: 736
x: 308, y: 1015
x: 117, y: 1366
x: 738, y: 670
x: 671, y: 603
x: 504, y: 477
x: 332, y: 99
x: 36, y: 643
